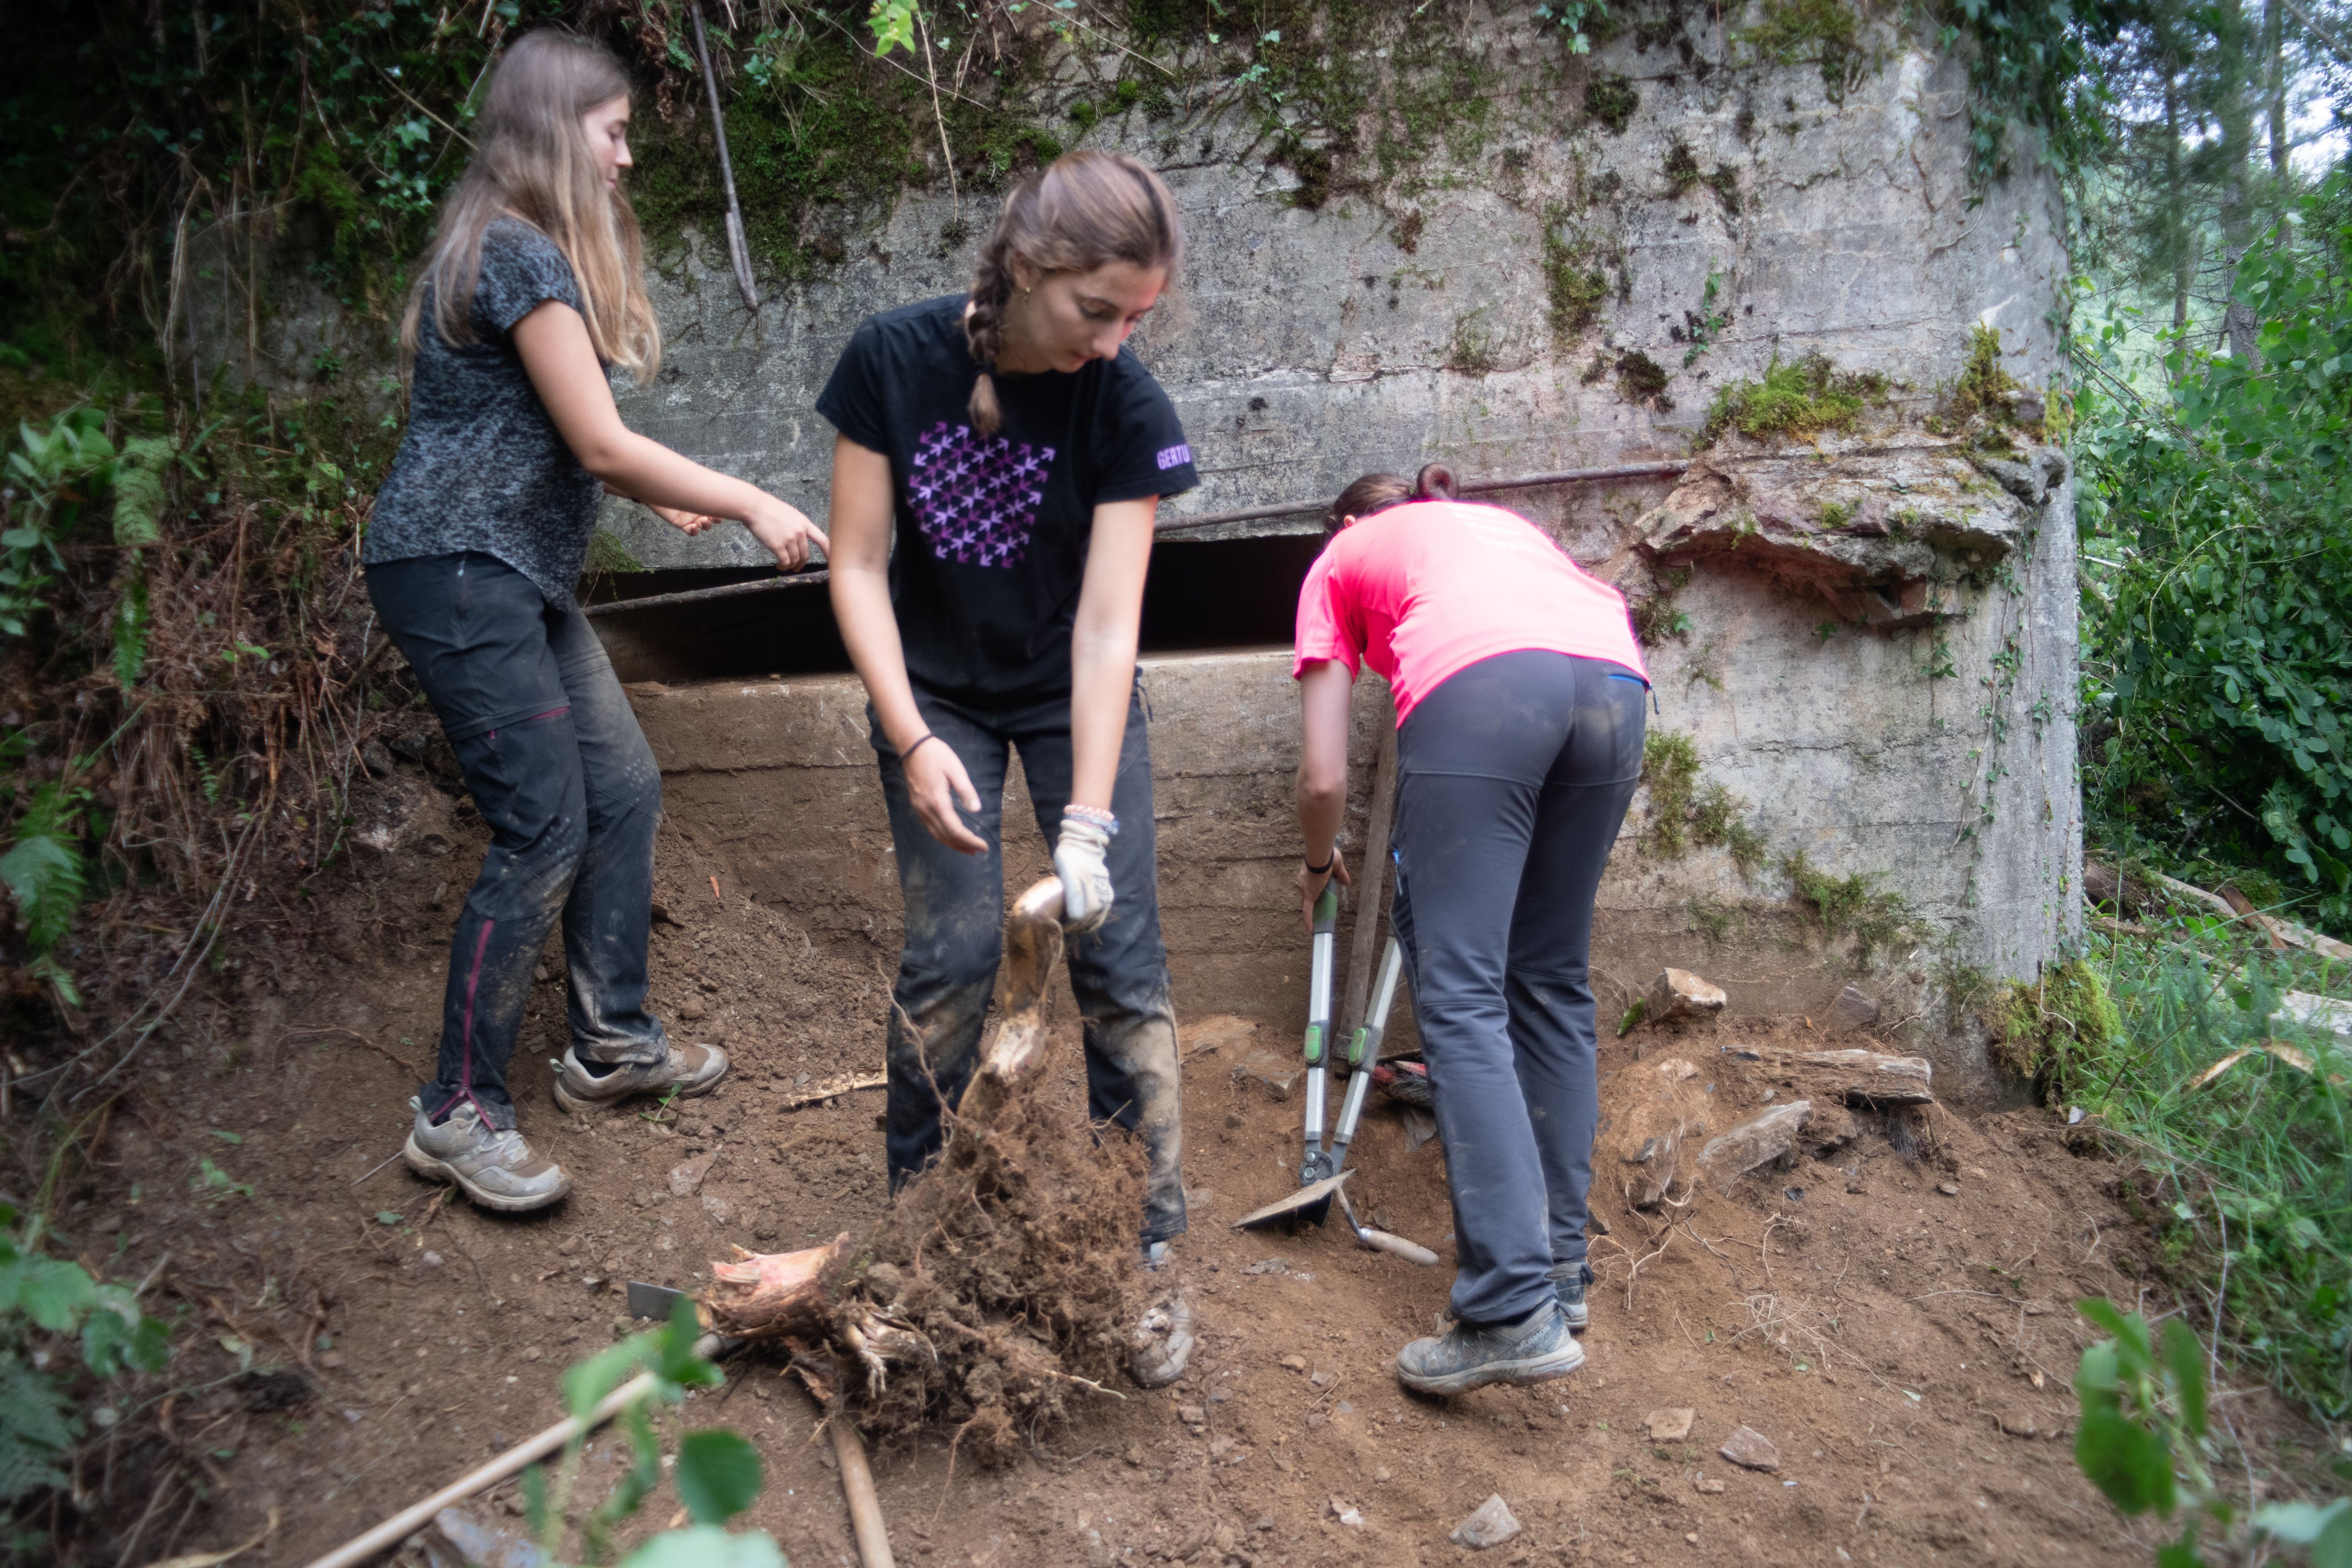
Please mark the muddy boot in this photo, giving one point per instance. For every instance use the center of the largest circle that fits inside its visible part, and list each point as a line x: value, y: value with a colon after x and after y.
x: 1163, y: 1346
x: 494, y: 1168
x: 1568, y: 1283
x: 1537, y: 1347
x: 691, y: 1070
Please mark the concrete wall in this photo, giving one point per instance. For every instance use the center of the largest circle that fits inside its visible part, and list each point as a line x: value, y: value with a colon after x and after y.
x: 1891, y: 697
x: 1879, y: 657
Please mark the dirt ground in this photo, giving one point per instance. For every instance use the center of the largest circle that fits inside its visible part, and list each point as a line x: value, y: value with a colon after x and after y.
x: 1899, y: 1324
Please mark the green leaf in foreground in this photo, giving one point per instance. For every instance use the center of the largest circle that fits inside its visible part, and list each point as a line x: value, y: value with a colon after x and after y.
x: 2130, y: 1463
x: 718, y: 1475
x: 707, y: 1546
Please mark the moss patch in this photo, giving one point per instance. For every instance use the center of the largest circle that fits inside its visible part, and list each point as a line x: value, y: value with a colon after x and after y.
x: 1824, y: 33
x: 1983, y: 385
x: 1875, y: 917
x: 1610, y: 100
x: 1576, y: 277
x: 1801, y: 398
x: 1685, y: 814
x: 2034, y: 1024
x: 1642, y: 380
x: 1681, y: 169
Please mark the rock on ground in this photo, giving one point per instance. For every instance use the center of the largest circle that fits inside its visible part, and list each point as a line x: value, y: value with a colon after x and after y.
x: 1491, y: 1525
x: 1756, y: 1141
x: 1751, y: 1450
x: 1678, y: 993
x: 1670, y: 1425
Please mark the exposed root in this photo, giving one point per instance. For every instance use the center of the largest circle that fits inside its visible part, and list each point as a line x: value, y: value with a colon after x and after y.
x: 1001, y: 1279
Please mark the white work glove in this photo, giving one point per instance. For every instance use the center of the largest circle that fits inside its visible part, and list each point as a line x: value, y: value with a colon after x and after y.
x: 1078, y: 860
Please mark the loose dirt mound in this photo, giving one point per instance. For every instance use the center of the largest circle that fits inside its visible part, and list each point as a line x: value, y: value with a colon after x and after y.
x: 1905, y: 1348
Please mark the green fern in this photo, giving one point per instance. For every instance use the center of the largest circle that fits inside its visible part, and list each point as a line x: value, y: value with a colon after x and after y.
x: 44, y: 870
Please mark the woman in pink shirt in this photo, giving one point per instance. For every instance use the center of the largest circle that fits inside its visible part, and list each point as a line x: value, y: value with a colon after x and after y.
x: 1518, y: 696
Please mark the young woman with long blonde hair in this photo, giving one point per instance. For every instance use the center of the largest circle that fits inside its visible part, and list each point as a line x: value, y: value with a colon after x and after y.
x: 532, y: 293
x: 1017, y: 452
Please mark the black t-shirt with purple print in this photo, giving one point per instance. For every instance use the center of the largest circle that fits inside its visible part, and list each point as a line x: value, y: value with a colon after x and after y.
x: 992, y: 531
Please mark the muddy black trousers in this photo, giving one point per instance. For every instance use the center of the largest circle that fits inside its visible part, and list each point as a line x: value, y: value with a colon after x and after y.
x: 955, y: 937
x: 563, y: 777
x: 1513, y: 777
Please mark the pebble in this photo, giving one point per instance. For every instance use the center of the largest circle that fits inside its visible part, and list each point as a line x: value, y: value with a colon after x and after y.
x: 1295, y: 1363
x: 1707, y: 1484
x: 1491, y: 1525
x: 1949, y: 1189
x: 1670, y: 1425
x: 430, y: 1260
x: 1751, y: 1450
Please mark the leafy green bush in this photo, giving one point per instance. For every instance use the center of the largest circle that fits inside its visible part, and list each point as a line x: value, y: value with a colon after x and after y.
x: 1803, y: 398
x: 51, y: 1309
x: 2144, y: 1441
x: 2249, y: 1163
x: 2217, y: 610
x: 716, y: 1472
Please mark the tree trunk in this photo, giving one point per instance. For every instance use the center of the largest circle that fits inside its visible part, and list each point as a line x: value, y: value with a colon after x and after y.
x: 2234, y: 90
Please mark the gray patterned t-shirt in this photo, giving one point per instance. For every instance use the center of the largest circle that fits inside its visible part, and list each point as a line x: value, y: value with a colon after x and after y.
x: 482, y: 466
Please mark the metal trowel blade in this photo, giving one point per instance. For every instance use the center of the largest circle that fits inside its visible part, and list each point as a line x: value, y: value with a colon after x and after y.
x: 1309, y: 1203
x: 655, y: 1302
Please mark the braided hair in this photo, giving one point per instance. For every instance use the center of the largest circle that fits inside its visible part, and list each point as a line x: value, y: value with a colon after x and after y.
x: 1087, y: 210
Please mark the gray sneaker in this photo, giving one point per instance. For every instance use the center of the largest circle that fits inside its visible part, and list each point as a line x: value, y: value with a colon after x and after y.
x: 1568, y: 1283
x: 690, y: 1069
x: 1537, y: 1347
x: 494, y: 1168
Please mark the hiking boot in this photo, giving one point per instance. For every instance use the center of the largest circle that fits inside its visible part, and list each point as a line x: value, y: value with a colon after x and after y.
x: 1163, y: 1344
x: 1568, y: 1283
x: 494, y: 1168
x: 1470, y: 1356
x: 691, y: 1070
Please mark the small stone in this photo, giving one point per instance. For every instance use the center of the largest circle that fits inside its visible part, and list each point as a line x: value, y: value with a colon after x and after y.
x: 376, y: 758
x: 1191, y: 1415
x: 1319, y: 1379
x: 685, y: 1180
x: 1219, y: 1396
x: 1293, y: 1362
x: 332, y: 1362
x: 1224, y: 1538
x: 1855, y: 1009
x: 430, y: 1260
x: 1491, y: 1526
x: 1707, y: 1484
x: 1279, y: 1071
x: 1691, y: 1536
x: 1949, y: 1189
x: 1275, y: 1265
x: 532, y: 1353
x: 1751, y: 1450
x: 1678, y: 993
x: 569, y: 1246
x: 1264, y: 1523
x: 693, y: 1008
x: 1670, y: 1425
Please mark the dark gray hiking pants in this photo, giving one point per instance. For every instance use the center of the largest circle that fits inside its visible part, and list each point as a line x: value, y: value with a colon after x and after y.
x: 955, y: 936
x: 1512, y: 780
x: 553, y: 757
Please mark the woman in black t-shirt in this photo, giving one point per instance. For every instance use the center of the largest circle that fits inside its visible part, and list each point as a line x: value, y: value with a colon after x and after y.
x: 1018, y: 453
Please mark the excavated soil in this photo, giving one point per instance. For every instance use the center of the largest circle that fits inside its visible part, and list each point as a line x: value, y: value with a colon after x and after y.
x: 1896, y: 1324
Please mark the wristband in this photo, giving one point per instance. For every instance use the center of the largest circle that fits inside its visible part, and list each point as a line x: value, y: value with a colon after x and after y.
x: 1325, y: 868
x: 918, y: 746
x: 1098, y: 817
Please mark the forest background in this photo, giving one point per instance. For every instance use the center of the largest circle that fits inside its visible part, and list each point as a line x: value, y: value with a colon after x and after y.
x: 188, y: 671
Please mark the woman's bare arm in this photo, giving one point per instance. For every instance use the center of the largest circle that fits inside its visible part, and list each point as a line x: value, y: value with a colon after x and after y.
x: 1102, y: 645
x: 1323, y: 693
x: 863, y: 510
x: 564, y: 369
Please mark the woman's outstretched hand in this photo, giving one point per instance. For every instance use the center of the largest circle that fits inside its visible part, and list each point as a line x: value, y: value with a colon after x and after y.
x: 788, y: 534
x: 937, y: 784
x: 1311, y: 884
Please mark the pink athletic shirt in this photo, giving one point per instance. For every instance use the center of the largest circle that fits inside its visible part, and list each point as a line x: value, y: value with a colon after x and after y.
x: 1424, y: 590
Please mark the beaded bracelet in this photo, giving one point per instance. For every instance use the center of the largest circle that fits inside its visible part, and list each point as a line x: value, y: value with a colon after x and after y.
x: 1095, y: 815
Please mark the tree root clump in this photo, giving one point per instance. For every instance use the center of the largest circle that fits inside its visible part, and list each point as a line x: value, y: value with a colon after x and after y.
x: 999, y: 1292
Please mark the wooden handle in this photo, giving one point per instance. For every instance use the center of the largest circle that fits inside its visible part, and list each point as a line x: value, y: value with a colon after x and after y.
x: 857, y: 1487
x: 1410, y: 1251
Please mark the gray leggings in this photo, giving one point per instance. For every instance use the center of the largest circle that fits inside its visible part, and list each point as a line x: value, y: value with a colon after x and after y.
x: 1512, y: 780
